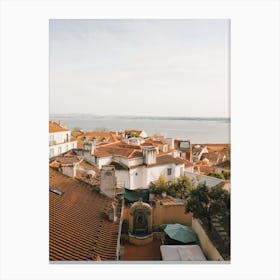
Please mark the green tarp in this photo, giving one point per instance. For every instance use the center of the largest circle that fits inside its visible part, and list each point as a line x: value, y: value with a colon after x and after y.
x: 133, y: 196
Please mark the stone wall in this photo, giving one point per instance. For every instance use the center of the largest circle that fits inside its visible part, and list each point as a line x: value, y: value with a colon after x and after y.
x: 170, y: 214
x: 166, y: 214
x: 206, y: 244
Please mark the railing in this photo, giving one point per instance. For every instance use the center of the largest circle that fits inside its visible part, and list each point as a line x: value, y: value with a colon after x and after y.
x: 51, y: 143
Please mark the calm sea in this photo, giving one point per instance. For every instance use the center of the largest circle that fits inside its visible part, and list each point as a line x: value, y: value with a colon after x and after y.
x: 198, y: 130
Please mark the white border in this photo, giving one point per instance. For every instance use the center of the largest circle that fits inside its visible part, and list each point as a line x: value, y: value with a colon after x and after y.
x: 255, y: 137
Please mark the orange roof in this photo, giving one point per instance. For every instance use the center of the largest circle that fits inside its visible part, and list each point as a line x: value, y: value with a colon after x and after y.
x: 99, y: 136
x: 167, y: 159
x: 132, y: 131
x: 88, y: 166
x: 78, y: 226
x: 118, y: 149
x: 85, y: 177
x: 55, y: 127
x: 156, y: 143
x: 184, y: 161
x: 75, y: 134
x: 68, y: 160
x: 163, y: 160
x: 204, y: 169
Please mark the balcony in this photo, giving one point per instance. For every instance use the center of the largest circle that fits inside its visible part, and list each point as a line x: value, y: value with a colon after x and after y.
x: 51, y: 143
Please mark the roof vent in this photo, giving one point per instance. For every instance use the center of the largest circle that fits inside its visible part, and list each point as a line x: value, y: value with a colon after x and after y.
x: 56, y: 191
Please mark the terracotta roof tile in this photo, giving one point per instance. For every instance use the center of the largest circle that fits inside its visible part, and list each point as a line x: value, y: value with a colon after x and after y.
x: 167, y: 159
x: 89, y: 166
x: 68, y: 159
x: 205, y: 169
x: 78, y: 226
x: 186, y: 162
x: 99, y: 136
x: 118, y: 149
x: 55, y: 127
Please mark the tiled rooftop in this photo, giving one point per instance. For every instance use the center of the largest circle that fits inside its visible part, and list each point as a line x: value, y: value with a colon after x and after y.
x: 78, y: 226
x: 89, y: 166
x: 167, y: 159
x: 71, y: 159
x: 187, y: 163
x: 204, y: 169
x: 100, y: 137
x: 134, y: 132
x: 84, y: 174
x: 118, y: 149
x: 55, y: 127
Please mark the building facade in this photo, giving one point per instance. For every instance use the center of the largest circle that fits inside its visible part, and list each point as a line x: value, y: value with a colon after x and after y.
x: 59, y: 140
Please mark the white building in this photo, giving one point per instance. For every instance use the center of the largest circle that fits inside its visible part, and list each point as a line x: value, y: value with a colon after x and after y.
x: 136, y: 167
x: 59, y: 139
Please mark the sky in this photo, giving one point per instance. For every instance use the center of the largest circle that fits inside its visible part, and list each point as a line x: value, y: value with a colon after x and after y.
x: 140, y: 67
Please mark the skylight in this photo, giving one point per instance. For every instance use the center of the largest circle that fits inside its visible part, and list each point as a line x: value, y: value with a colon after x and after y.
x: 56, y: 191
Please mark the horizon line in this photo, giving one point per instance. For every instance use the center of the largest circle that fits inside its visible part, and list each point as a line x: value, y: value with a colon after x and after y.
x: 137, y: 116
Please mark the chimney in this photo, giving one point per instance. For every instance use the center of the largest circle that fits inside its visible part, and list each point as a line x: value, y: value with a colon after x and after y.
x: 89, y: 148
x: 149, y: 155
x: 69, y: 169
x: 108, y: 181
x: 170, y: 142
x: 112, y: 215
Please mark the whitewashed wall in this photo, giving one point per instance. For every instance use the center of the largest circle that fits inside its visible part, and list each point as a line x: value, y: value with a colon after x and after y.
x: 210, y: 181
x: 59, y: 137
x: 123, y: 178
x: 103, y: 161
x: 61, y: 148
x: 137, y: 178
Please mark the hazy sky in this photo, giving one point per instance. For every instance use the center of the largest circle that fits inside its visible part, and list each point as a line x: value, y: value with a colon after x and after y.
x: 140, y: 67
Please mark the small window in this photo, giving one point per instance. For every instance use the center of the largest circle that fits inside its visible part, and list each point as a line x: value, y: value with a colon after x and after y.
x: 169, y: 171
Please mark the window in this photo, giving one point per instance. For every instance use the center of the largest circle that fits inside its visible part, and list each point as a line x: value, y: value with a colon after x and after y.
x: 169, y: 171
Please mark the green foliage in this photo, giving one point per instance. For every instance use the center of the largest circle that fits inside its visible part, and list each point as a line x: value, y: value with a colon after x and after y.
x: 217, y: 175
x: 204, y: 202
x: 180, y: 188
x: 226, y: 175
x: 159, y: 186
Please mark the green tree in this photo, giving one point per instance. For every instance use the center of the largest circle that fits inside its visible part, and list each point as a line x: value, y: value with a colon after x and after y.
x: 204, y: 202
x: 181, y: 188
x: 159, y: 186
x: 226, y: 175
x: 217, y: 175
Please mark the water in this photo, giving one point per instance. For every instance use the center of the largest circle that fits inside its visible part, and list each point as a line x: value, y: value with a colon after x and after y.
x: 196, y: 129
